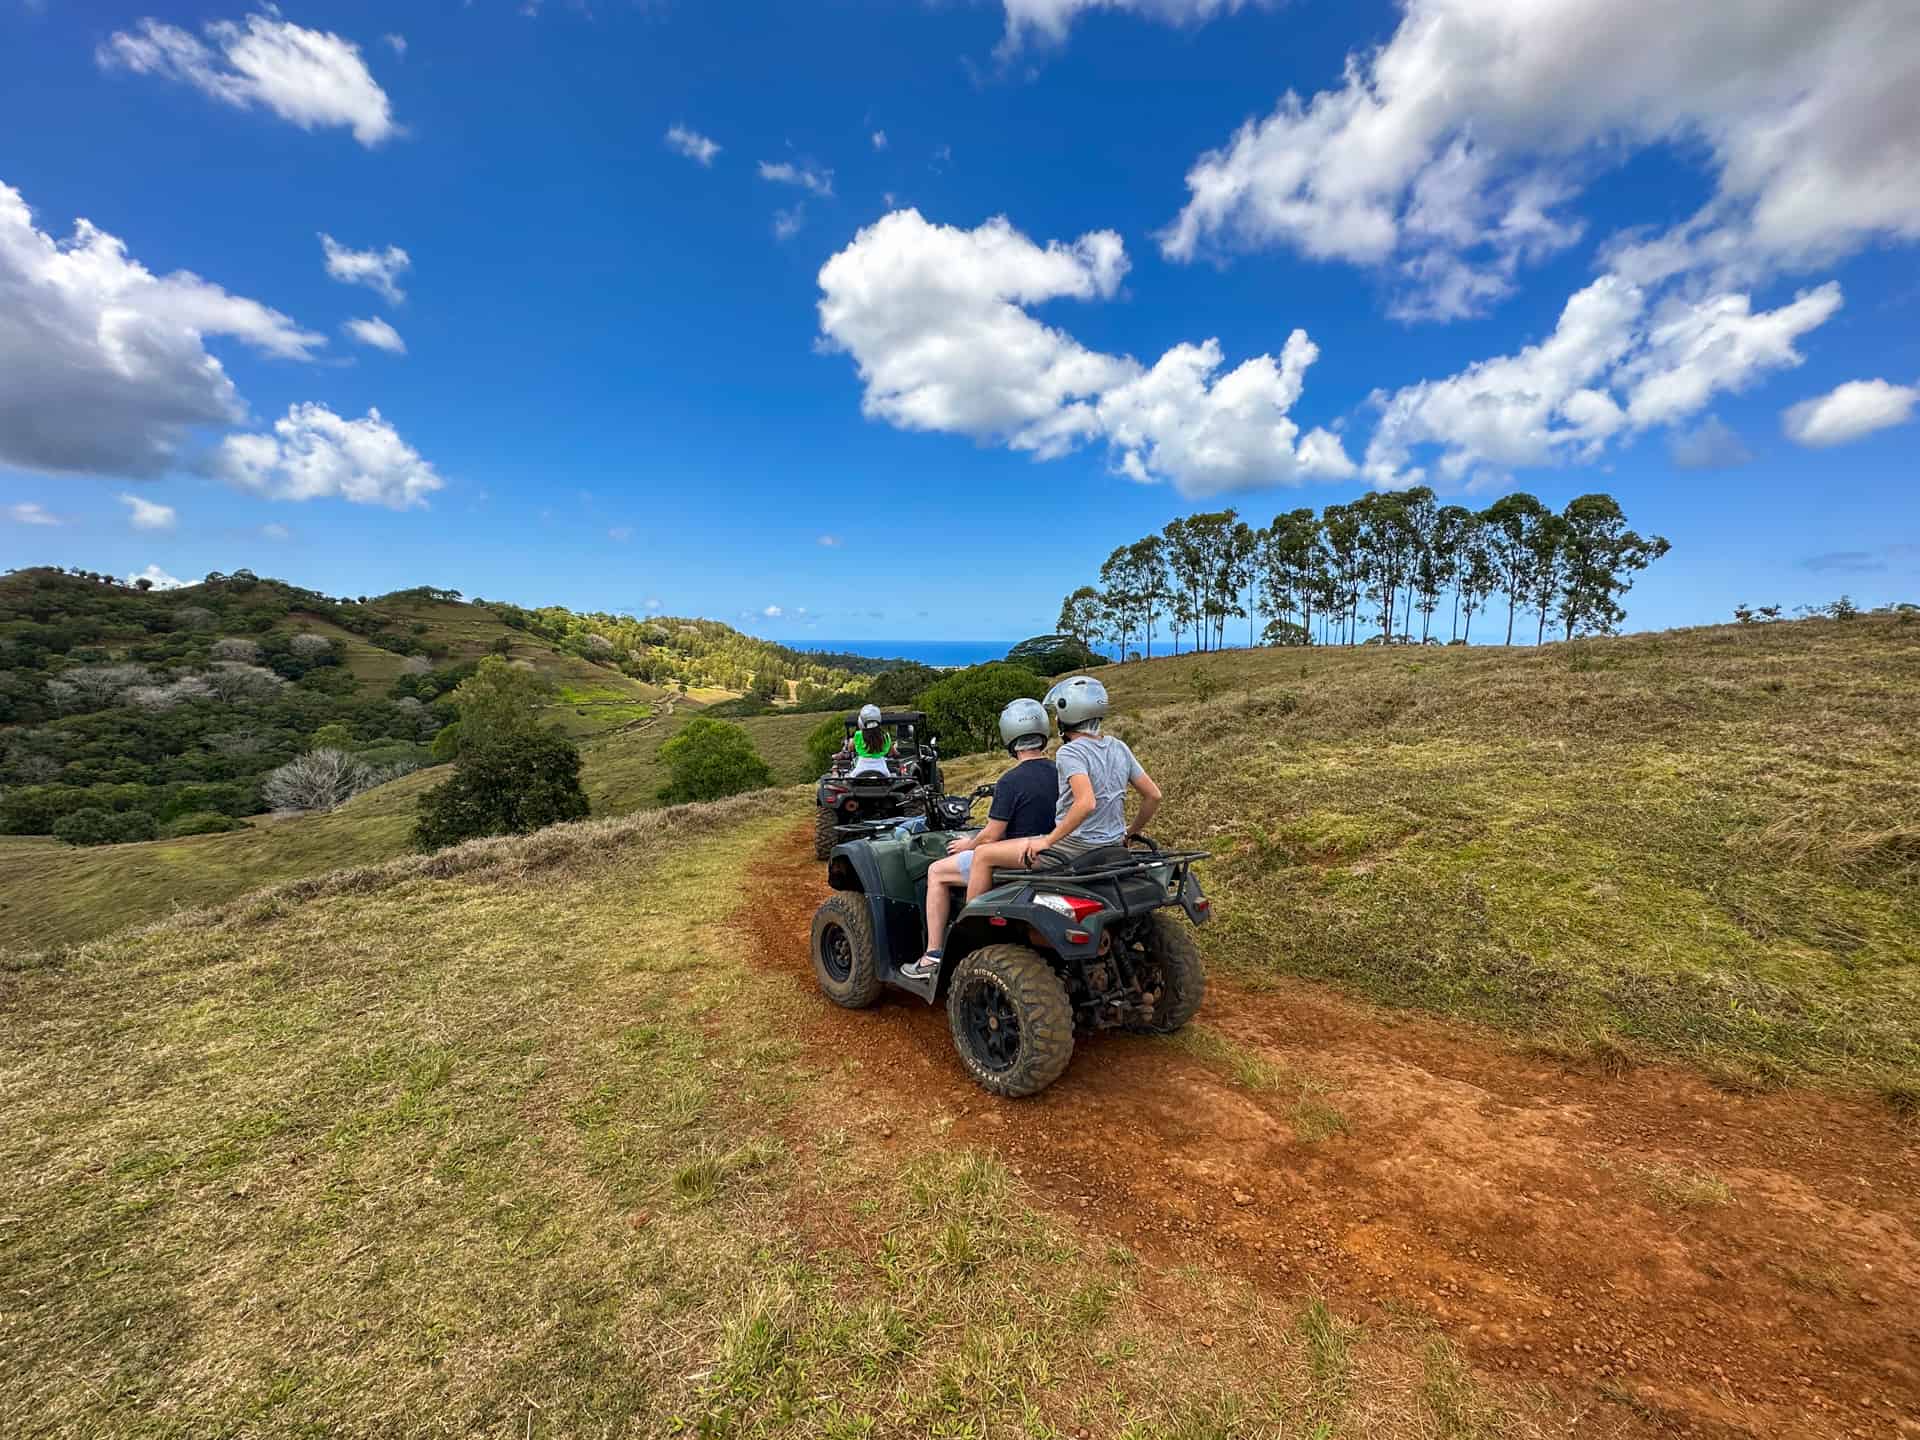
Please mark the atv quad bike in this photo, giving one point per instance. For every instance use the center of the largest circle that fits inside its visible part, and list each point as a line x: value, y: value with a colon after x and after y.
x: 846, y: 802
x: 1045, y: 955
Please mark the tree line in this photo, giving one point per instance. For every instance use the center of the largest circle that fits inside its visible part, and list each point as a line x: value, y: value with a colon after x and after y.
x: 1361, y: 572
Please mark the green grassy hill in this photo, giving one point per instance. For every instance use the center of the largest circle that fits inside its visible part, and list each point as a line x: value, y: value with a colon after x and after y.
x: 1703, y: 842
x: 52, y: 893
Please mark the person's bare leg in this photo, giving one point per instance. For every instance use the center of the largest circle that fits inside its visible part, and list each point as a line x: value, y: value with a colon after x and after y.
x: 986, y: 857
x: 943, y: 873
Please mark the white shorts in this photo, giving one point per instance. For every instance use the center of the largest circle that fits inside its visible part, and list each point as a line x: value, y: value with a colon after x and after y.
x: 965, y: 861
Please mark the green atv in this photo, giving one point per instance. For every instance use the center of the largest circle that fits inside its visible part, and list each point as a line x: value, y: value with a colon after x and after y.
x: 1093, y: 945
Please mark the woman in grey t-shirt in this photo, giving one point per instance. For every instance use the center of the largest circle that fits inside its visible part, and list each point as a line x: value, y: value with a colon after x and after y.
x: 1095, y: 773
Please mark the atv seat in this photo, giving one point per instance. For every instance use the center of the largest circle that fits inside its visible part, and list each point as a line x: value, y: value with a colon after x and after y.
x: 1099, y: 858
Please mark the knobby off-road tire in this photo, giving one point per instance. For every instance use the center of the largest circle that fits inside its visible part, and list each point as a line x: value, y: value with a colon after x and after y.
x: 843, y: 960
x: 823, y: 832
x: 1010, y: 1019
x: 1183, y: 976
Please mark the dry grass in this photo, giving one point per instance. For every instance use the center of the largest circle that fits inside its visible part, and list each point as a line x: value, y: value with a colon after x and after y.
x: 427, y: 1149
x: 1701, y: 845
x: 1685, y: 1187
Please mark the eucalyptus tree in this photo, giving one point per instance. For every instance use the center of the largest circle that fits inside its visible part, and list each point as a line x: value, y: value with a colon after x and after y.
x: 1441, y: 566
x: 1477, y: 576
x: 1599, y: 557
x: 1080, y: 615
x: 1341, y: 527
x: 1147, y: 563
x: 1512, y: 524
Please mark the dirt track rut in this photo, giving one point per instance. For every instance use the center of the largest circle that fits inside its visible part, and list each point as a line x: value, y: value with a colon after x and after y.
x: 1543, y: 1218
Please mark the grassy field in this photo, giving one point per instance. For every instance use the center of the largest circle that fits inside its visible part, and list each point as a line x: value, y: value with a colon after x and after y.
x: 54, y: 894
x: 1703, y: 843
x: 509, y: 1141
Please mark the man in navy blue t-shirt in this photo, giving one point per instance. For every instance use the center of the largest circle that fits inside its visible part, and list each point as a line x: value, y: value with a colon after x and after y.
x: 1024, y: 802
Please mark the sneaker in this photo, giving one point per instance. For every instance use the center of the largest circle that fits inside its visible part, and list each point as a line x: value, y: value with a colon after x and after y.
x: 925, y: 968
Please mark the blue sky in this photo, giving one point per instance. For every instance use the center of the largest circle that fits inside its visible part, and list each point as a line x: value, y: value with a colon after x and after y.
x: 639, y: 372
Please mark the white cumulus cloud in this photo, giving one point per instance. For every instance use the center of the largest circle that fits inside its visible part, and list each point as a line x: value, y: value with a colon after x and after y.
x: 378, y: 333
x: 936, y: 321
x: 1614, y: 365
x: 31, y: 512
x: 159, y: 579
x: 1450, y: 152
x: 1850, y: 412
x: 315, y: 454
x: 312, y: 78
x: 103, y: 364
x: 692, y: 144
x: 773, y: 612
x: 378, y: 270
x: 818, y: 182
x: 148, y: 515
x: 879, y: 139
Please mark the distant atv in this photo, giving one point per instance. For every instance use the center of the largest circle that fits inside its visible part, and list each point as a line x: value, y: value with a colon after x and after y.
x: 846, y: 803
x: 1045, y: 954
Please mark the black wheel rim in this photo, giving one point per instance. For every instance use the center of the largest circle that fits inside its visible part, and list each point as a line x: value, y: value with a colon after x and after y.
x: 992, y: 1025
x: 836, y: 952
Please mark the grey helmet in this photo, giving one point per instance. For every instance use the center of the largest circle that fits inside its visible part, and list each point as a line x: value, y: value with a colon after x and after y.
x: 1078, y: 702
x: 1022, y: 719
x: 869, y: 716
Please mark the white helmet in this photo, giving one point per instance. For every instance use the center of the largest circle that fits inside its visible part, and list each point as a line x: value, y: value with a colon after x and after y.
x: 1078, y: 703
x: 1023, y: 719
x: 869, y: 716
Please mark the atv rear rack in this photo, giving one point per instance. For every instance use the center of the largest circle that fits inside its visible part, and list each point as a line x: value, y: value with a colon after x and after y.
x: 1179, y: 859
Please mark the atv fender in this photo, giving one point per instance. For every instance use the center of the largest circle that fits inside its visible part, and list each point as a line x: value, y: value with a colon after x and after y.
x: 897, y: 925
x: 999, y: 923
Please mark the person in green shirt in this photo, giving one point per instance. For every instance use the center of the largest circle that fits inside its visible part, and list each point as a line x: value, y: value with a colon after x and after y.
x: 872, y: 743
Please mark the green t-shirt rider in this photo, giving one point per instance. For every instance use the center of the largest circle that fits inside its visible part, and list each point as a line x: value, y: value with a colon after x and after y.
x: 872, y: 743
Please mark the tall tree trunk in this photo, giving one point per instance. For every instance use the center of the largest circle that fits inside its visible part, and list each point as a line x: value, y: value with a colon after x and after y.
x: 1468, y: 637
x: 1540, y: 631
x: 1456, y: 615
x: 1406, y: 627
x: 1512, y: 604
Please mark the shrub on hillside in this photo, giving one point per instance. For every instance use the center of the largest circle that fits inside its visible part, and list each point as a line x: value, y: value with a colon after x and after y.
x: 318, y: 780
x: 710, y: 759
x: 518, y: 783
x: 1054, y: 655
x: 894, y: 689
x: 964, y: 708
x: 96, y: 826
x: 823, y: 741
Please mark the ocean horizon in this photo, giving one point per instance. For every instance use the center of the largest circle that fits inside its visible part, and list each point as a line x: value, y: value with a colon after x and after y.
x: 927, y: 652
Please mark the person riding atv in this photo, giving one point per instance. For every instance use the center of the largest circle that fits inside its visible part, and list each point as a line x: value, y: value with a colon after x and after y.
x: 1046, y: 953
x: 883, y: 771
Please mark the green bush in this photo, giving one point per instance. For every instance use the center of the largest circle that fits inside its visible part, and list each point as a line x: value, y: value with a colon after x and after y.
x: 517, y: 783
x: 823, y: 741
x: 88, y: 826
x: 964, y: 708
x: 446, y: 744
x: 710, y: 759
x: 1053, y: 655
x: 895, y: 689
x: 201, y: 822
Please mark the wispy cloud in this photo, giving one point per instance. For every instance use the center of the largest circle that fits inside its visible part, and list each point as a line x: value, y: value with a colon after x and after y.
x: 788, y: 223
x: 692, y: 144
x: 783, y: 172
x: 31, y: 512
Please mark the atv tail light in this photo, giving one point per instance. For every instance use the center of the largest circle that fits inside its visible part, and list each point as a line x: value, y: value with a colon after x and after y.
x: 1078, y: 937
x: 852, y: 805
x: 1203, y: 906
x: 1074, y: 907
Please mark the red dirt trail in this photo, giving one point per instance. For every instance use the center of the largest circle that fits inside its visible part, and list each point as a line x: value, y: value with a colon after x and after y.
x: 1516, y: 1204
